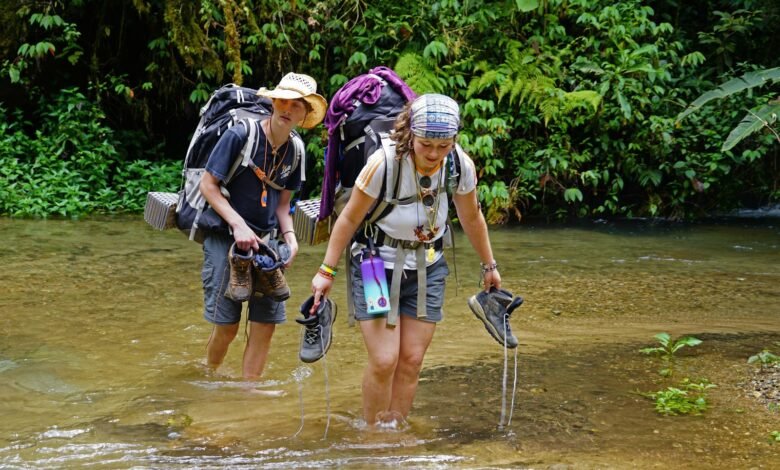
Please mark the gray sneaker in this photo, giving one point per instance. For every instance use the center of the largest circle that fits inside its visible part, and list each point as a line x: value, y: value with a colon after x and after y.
x: 494, y: 309
x: 318, y: 333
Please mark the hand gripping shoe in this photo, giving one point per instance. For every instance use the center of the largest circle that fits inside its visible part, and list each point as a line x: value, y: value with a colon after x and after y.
x: 269, y: 278
x: 239, y: 286
x: 494, y: 309
x: 318, y: 332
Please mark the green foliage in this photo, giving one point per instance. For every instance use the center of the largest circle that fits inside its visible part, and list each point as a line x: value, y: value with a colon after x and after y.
x: 59, y: 39
x: 569, y: 106
x: 688, y: 398
x: 736, y: 85
x: 775, y: 436
x: 764, y: 117
x: 69, y: 166
x: 668, y: 348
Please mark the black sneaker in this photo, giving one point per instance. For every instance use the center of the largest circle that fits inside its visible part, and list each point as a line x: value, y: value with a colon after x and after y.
x: 494, y: 309
x: 319, y: 329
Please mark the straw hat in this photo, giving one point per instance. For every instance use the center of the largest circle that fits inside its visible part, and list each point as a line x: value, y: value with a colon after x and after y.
x: 295, y: 86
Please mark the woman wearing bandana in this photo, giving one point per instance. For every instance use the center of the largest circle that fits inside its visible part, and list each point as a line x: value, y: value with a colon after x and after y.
x: 409, y: 241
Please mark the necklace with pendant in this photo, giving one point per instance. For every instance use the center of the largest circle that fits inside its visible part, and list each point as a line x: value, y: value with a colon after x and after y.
x: 430, y: 201
x: 270, y: 166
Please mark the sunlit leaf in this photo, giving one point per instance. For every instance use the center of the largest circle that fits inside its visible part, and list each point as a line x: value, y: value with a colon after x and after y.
x: 527, y: 5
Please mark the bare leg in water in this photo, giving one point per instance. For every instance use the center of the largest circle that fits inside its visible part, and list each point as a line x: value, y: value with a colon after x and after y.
x: 395, y: 357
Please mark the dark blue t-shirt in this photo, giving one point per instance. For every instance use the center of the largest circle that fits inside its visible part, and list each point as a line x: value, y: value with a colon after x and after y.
x: 246, y: 188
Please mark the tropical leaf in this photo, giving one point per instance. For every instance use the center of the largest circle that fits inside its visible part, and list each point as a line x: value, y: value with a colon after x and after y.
x: 527, y: 5
x: 752, y: 122
x: 733, y: 86
x: 572, y: 195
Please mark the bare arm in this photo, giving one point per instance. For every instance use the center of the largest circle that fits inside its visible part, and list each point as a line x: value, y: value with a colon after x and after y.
x: 475, y: 227
x: 346, y: 224
x: 244, y: 236
x: 286, y: 223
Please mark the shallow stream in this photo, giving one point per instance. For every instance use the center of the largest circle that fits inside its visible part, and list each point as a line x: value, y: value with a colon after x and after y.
x: 102, y: 344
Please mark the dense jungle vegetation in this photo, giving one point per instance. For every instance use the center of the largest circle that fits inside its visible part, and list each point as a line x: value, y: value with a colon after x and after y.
x: 570, y: 107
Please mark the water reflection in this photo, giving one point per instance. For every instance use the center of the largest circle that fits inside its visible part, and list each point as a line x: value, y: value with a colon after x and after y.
x: 103, y: 342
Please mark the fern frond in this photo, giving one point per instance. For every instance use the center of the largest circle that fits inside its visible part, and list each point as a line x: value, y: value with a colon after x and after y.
x: 550, y: 108
x: 419, y: 73
x: 576, y: 99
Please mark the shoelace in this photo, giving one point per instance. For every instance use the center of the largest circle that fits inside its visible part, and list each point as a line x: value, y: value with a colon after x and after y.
x: 313, y: 333
x: 507, y: 329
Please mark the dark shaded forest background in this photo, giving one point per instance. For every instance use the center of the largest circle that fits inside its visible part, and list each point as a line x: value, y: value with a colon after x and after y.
x: 569, y: 106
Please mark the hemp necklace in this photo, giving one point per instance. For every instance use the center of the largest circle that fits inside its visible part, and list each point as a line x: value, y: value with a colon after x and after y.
x: 262, y: 174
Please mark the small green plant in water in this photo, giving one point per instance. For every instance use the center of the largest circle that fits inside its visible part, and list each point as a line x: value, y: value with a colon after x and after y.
x: 668, y: 348
x: 765, y: 358
x: 688, y: 398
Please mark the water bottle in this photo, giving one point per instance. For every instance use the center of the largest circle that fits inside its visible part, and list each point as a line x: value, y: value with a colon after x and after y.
x: 374, y: 281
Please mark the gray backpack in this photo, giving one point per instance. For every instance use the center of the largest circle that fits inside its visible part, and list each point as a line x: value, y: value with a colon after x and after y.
x: 228, y: 106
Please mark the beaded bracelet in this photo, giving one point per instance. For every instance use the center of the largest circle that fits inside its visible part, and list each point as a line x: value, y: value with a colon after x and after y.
x: 486, y: 268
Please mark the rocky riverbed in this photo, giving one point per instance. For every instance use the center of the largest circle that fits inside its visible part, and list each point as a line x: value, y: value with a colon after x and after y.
x: 765, y: 385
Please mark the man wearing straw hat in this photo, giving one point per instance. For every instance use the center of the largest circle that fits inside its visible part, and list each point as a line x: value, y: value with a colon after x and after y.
x: 258, y: 208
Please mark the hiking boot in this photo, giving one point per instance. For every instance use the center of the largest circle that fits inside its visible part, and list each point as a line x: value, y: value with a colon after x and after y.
x: 494, y: 309
x: 239, y: 286
x: 271, y: 284
x: 318, y: 333
x: 269, y: 276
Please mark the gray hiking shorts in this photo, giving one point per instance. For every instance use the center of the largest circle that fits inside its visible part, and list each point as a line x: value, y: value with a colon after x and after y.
x: 215, y: 275
x: 436, y: 276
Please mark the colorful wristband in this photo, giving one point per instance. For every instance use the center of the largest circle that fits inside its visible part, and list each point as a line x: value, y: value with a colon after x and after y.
x: 328, y: 269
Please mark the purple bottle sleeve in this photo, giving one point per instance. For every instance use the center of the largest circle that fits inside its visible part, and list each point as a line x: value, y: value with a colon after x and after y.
x: 375, y: 284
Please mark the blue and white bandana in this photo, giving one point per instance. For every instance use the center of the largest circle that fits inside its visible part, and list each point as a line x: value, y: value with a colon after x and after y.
x: 435, y: 116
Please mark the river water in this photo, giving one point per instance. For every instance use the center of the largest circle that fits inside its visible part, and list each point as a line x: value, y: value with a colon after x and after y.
x: 102, y: 345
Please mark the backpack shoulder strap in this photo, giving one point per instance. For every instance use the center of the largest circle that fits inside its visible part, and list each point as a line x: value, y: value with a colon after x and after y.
x: 392, y: 168
x: 252, y: 127
x: 300, y: 153
x: 389, y: 192
x: 454, y: 166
